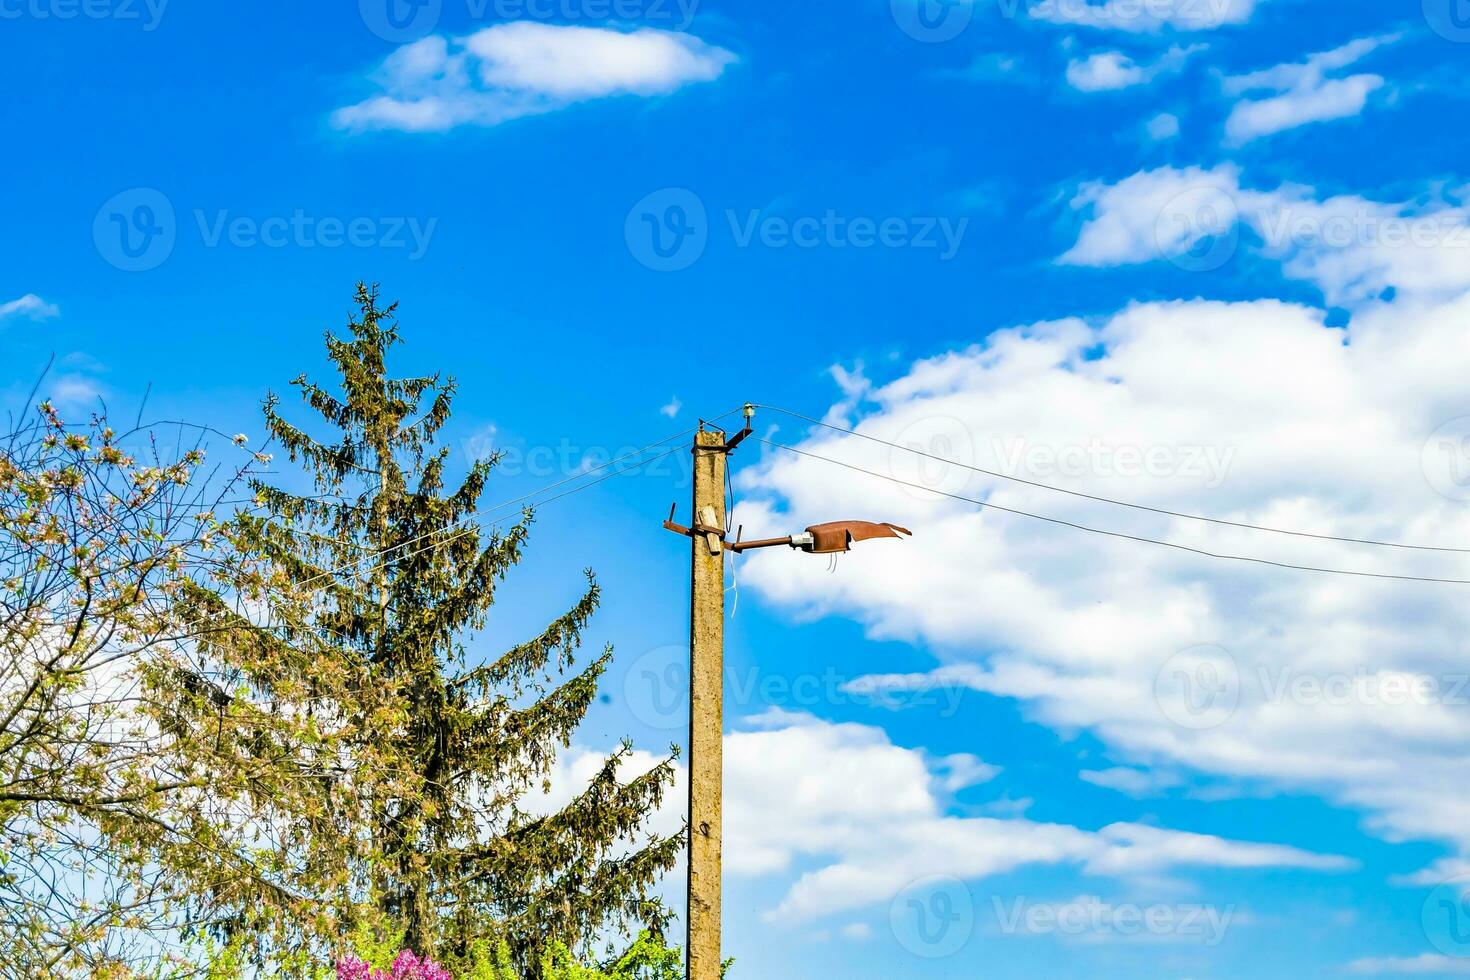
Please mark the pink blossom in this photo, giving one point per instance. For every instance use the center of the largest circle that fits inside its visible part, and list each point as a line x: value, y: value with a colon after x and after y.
x: 406, y: 966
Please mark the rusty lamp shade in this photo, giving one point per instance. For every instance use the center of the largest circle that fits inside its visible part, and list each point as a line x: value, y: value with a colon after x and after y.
x: 838, y: 536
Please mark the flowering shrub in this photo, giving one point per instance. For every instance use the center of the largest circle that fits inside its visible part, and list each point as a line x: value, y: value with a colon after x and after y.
x: 406, y: 966
x: 647, y: 959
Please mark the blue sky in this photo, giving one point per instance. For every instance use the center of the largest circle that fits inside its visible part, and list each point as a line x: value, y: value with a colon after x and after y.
x: 1205, y: 255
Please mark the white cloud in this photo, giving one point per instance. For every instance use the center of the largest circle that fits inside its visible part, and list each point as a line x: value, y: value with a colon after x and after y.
x: 671, y: 409
x: 1002, y: 67
x: 1134, y: 782
x: 1109, y: 71
x: 1350, y: 247
x: 963, y: 770
x: 73, y: 390
x: 1326, y: 430
x: 857, y: 932
x: 1135, y: 17
x: 524, y: 68
x: 1092, y: 919
x: 868, y: 813
x: 1164, y: 126
x: 1302, y: 93
x: 1425, y: 964
x: 869, y: 818
x: 30, y: 306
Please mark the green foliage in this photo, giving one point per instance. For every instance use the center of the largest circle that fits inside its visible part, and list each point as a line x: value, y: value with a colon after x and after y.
x: 647, y: 959
x: 375, y: 583
x: 376, y: 948
x: 121, y: 770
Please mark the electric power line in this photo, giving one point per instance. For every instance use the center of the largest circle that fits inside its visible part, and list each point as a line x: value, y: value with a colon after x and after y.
x: 1116, y: 534
x: 1110, y: 500
x: 481, y: 514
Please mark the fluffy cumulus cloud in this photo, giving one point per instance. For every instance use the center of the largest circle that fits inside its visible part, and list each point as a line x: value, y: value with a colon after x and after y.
x: 30, y: 306
x: 1108, y: 71
x: 1145, y: 16
x: 1289, y: 96
x: 524, y: 68
x: 850, y: 819
x: 1351, y: 247
x: 1247, y: 674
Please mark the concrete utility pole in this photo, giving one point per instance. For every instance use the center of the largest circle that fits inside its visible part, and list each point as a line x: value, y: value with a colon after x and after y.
x: 708, y: 544
x: 706, y: 704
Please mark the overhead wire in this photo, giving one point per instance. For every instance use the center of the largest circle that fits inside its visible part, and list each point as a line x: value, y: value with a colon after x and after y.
x: 1098, y: 498
x: 1112, y: 534
x: 479, y: 515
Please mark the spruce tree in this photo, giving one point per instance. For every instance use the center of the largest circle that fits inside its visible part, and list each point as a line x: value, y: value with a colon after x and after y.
x: 444, y: 752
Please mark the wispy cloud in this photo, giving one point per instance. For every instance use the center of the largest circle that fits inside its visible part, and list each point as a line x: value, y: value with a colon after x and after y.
x: 1108, y: 71
x: 30, y: 306
x: 521, y: 69
x: 1133, y: 782
x: 1351, y: 247
x: 1164, y: 126
x: 996, y: 66
x: 790, y: 798
x: 1425, y: 964
x: 1130, y: 16
x: 1302, y: 93
x: 671, y: 409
